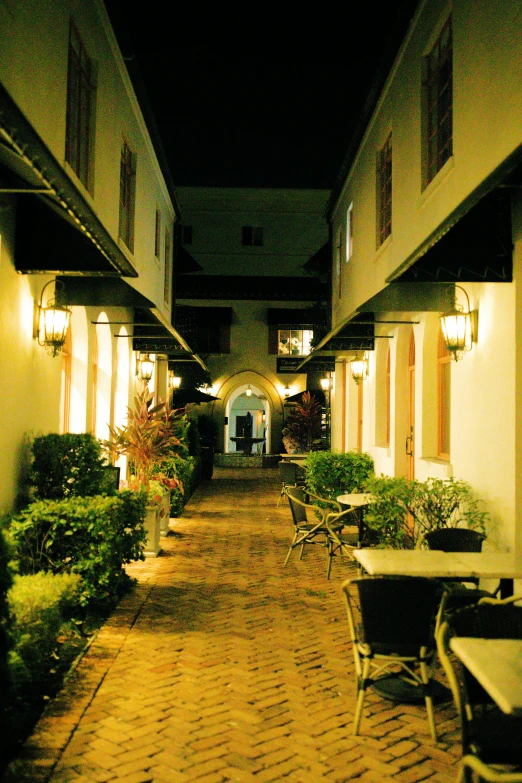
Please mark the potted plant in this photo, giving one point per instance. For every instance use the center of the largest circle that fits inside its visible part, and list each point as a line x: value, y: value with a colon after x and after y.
x: 403, y: 510
x: 302, y: 430
x: 148, y: 439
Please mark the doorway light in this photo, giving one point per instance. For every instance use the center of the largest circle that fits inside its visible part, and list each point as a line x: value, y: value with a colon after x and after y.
x: 52, y: 322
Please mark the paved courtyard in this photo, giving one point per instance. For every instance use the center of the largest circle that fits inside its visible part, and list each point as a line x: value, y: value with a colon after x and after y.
x: 223, y: 666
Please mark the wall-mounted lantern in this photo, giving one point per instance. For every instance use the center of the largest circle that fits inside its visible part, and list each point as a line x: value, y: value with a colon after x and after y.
x: 459, y: 328
x: 248, y: 391
x: 173, y: 380
x: 52, y: 322
x: 359, y: 368
x: 145, y: 368
x: 325, y: 384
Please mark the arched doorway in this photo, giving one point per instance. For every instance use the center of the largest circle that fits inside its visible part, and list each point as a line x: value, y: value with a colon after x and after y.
x: 248, y: 415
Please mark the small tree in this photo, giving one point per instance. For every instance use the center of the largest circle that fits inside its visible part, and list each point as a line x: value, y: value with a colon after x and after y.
x: 148, y: 439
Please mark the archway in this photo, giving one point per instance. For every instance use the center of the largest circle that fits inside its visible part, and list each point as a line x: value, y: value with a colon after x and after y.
x: 264, y: 401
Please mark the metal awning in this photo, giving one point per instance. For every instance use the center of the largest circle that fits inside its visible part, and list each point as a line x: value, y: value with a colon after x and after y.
x: 474, y: 243
x: 29, y: 169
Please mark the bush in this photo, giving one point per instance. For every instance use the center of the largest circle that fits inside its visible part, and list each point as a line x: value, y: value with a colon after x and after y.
x: 68, y: 465
x: 40, y: 604
x: 5, y: 584
x: 403, y: 510
x: 329, y: 474
x: 44, y: 643
x: 93, y: 537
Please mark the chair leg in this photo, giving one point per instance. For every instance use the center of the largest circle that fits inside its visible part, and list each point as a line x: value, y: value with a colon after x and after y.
x: 280, y: 496
x: 290, y: 550
x: 330, y: 553
x: 429, y: 702
x: 360, y: 696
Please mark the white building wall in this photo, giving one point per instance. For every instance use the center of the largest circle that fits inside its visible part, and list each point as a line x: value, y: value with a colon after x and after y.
x: 33, y: 70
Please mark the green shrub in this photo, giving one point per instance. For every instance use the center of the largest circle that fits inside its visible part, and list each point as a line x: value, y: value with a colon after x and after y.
x: 403, y: 510
x: 94, y: 537
x: 39, y: 604
x: 68, y: 465
x: 5, y: 584
x: 329, y: 474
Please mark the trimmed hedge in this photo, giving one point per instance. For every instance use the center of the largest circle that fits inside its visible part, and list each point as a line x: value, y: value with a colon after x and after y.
x: 91, y: 536
x: 67, y: 465
x: 329, y: 474
x: 40, y: 604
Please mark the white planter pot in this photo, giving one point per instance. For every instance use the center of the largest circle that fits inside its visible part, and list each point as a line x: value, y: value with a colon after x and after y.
x: 165, y: 514
x: 152, y: 529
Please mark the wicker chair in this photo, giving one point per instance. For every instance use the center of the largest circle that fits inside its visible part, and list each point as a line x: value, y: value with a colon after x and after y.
x: 329, y: 516
x: 491, y: 739
x: 397, y: 620
x: 458, y: 539
x: 292, y: 475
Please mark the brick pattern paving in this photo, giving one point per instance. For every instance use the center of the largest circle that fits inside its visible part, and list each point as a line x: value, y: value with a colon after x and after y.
x: 225, y: 666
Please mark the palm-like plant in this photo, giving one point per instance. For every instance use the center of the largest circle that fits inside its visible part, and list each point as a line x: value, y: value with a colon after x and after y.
x: 148, y: 439
x: 303, y: 424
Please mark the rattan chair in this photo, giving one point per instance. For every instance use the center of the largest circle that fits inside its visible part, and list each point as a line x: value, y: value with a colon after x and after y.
x: 316, y: 531
x: 458, y: 539
x: 292, y: 475
x: 396, y: 628
x: 491, y: 740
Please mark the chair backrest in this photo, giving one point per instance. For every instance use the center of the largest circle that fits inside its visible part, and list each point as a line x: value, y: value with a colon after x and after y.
x: 483, y: 621
x: 398, y: 611
x: 455, y: 539
x: 288, y: 472
x: 298, y: 511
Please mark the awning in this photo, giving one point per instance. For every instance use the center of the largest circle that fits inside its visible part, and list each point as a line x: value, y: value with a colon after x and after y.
x: 184, y: 262
x: 474, y: 243
x: 28, y: 168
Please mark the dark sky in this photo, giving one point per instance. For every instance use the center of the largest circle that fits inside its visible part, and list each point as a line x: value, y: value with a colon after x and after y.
x: 257, y: 110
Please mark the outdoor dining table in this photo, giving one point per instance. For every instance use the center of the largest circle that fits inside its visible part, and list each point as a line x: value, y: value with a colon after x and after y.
x: 497, y: 665
x: 505, y: 566
x: 358, y: 500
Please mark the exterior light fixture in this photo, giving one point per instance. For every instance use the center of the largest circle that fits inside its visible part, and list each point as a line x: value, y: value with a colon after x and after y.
x: 359, y: 368
x: 459, y: 328
x: 263, y: 416
x: 286, y: 392
x: 52, y: 323
x: 248, y: 391
x: 174, y: 380
x: 145, y: 368
x: 325, y: 383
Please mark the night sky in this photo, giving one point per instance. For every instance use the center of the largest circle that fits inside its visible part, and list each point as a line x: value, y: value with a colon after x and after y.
x: 257, y: 110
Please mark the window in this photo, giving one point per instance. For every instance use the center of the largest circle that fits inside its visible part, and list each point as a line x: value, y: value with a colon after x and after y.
x: 338, y: 249
x: 206, y: 329
x: 349, y: 232
x: 384, y: 191
x: 444, y: 398
x: 168, y: 267
x: 127, y: 195
x: 79, y: 127
x: 438, y: 104
x: 252, y: 236
x: 157, y: 236
x: 296, y: 342
x: 186, y: 235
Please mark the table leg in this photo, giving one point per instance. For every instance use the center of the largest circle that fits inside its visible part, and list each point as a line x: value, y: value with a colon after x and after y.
x: 506, y: 588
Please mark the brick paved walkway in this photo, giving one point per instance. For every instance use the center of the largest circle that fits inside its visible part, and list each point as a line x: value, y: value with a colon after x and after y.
x: 223, y: 666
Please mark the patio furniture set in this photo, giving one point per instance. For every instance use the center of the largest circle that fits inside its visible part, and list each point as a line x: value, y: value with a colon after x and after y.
x: 408, y: 606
